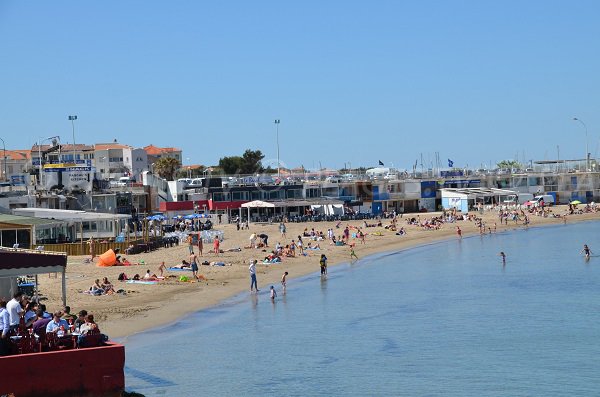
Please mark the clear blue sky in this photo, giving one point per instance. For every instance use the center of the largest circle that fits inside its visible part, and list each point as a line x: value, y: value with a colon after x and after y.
x: 352, y: 82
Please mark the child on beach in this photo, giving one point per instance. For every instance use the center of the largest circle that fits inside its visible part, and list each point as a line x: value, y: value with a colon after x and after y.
x: 273, y: 293
x: 284, y: 281
x: 323, y: 263
x: 352, y: 253
x: 458, y: 232
x: 162, y: 268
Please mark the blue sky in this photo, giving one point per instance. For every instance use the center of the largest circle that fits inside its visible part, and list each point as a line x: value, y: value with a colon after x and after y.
x: 352, y: 82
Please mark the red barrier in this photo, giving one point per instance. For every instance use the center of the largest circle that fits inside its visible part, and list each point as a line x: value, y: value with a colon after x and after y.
x: 90, y: 372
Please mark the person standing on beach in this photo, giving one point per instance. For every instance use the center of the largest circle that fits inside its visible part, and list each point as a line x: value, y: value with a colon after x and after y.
x: 92, y: 244
x: 323, y: 263
x: 194, y: 265
x: 587, y: 251
x: 458, y: 232
x: 284, y: 281
x: 190, y: 240
x: 282, y: 230
x: 216, y: 244
x: 252, y: 270
x: 273, y: 293
x: 200, y: 243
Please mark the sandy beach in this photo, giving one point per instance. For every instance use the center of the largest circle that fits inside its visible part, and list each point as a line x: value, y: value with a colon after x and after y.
x: 146, y: 306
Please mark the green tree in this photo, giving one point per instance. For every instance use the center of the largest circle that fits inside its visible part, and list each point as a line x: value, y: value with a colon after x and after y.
x: 252, y: 162
x: 249, y: 163
x: 231, y: 165
x: 510, y: 164
x: 166, y: 167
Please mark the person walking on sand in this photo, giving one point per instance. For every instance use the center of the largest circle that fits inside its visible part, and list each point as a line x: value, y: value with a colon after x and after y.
x: 458, y: 232
x: 352, y: 253
x: 587, y: 251
x: 162, y: 268
x: 273, y: 293
x: 284, y: 281
x: 323, y: 264
x: 216, y: 244
x: 503, y: 255
x: 252, y: 270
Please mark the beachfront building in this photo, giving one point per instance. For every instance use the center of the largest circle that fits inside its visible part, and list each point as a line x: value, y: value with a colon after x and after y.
x: 154, y: 153
x: 81, y: 224
x: 15, y: 166
x: 113, y: 160
x: 27, y: 231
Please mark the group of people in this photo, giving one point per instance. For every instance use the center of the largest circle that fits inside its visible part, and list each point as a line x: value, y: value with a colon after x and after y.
x: 23, y: 315
x: 104, y: 288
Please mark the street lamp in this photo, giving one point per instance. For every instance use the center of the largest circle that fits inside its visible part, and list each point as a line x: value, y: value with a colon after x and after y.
x: 587, y: 167
x: 4, y: 154
x: 277, y: 134
x: 40, y: 156
x: 73, y: 118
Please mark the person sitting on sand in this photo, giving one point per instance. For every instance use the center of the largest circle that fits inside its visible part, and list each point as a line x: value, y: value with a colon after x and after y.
x: 150, y: 277
x: 96, y: 289
x: 107, y: 286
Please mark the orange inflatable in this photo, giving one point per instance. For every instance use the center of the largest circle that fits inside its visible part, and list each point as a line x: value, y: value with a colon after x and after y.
x: 109, y: 258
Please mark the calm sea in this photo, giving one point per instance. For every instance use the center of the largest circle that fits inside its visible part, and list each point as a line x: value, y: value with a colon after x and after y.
x: 446, y: 319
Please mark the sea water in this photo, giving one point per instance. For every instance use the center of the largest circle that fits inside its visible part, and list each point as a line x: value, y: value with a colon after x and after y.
x: 445, y: 319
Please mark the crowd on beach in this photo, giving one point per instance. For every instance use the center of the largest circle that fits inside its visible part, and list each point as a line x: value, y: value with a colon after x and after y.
x: 25, y: 318
x: 219, y: 268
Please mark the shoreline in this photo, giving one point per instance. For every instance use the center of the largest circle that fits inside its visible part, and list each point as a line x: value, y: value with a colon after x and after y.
x: 156, y: 306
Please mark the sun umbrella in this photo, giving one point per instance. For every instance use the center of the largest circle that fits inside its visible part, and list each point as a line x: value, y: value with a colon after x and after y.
x: 575, y: 202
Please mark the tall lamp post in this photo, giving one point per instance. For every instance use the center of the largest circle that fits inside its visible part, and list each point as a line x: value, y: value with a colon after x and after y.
x: 277, y: 135
x: 73, y: 118
x: 4, y: 155
x: 587, y: 166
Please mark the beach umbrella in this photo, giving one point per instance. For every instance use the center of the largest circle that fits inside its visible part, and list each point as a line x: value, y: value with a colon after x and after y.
x: 191, y: 216
x: 575, y: 202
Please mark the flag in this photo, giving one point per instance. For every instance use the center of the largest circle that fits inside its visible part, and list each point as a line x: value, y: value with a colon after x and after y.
x: 380, y: 162
x: 450, y: 163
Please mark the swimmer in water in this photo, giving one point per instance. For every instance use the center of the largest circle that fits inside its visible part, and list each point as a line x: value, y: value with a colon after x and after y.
x: 503, y: 255
x: 587, y: 251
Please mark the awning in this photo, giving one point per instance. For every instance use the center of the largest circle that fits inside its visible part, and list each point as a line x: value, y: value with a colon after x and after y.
x: 18, y: 263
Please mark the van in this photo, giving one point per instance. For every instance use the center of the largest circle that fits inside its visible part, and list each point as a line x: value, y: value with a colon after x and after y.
x: 519, y: 198
x: 124, y: 181
x: 544, y: 199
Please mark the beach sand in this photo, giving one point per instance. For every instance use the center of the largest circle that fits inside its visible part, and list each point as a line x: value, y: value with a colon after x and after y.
x: 147, y: 306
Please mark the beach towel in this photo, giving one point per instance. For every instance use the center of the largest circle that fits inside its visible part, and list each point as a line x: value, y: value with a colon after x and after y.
x: 142, y: 282
x: 179, y: 269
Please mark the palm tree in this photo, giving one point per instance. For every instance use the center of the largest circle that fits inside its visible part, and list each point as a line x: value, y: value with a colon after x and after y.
x: 166, y: 167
